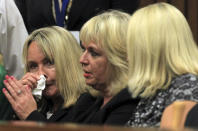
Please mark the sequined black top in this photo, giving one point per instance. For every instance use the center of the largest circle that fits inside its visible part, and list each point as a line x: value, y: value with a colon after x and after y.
x: 149, y: 111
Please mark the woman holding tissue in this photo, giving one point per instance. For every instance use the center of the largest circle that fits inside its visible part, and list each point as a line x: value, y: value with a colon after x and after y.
x: 53, y: 54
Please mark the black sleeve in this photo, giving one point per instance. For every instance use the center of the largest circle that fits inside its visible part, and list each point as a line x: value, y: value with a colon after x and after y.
x: 128, y: 6
x: 192, y: 118
x: 36, y: 116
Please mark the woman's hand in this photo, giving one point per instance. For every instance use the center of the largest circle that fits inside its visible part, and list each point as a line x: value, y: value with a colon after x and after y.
x: 20, y: 97
x: 30, y: 79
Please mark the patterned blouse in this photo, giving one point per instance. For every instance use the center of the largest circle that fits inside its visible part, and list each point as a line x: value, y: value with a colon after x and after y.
x: 149, y: 111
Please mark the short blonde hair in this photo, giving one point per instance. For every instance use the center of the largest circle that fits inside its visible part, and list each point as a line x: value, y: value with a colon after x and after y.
x: 108, y: 30
x: 160, y: 46
x: 60, y: 46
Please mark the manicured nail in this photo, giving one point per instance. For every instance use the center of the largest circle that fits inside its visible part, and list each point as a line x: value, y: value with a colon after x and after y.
x: 5, y: 81
x: 4, y: 89
x: 12, y: 77
x: 7, y: 77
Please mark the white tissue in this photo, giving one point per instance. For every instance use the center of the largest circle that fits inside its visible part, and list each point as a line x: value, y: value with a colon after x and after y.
x: 40, y: 87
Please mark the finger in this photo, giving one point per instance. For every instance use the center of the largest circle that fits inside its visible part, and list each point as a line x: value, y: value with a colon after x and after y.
x: 27, y: 75
x: 18, y: 85
x: 13, y: 84
x: 8, y: 96
x: 28, y: 90
x: 30, y: 80
x: 10, y: 89
x: 26, y: 82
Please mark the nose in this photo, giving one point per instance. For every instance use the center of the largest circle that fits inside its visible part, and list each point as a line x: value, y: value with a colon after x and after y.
x: 83, y: 59
x: 41, y: 71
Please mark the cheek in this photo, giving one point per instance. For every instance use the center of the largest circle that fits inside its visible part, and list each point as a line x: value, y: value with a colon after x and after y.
x: 101, y: 70
x: 51, y: 73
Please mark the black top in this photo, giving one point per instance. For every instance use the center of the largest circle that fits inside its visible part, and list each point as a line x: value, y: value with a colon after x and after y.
x: 37, y: 14
x: 116, y: 112
x: 192, y: 117
x: 64, y: 114
x: 87, y: 110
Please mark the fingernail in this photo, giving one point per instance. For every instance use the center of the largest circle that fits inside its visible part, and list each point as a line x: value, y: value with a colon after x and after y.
x: 5, y: 81
x: 7, y: 77
x: 12, y: 77
x: 4, y: 89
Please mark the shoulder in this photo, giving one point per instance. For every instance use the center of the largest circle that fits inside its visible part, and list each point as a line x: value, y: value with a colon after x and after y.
x: 184, y: 82
x: 184, y: 87
x: 123, y: 98
x: 86, y: 98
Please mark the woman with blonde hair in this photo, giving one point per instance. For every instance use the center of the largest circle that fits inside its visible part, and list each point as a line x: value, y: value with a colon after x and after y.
x: 163, y: 64
x: 105, y: 67
x: 54, y: 53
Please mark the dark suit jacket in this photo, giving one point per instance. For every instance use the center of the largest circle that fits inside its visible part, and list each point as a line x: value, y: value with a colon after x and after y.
x: 192, y: 117
x: 116, y: 112
x: 39, y: 14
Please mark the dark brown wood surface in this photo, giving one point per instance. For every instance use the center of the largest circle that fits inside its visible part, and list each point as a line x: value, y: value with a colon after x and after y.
x: 32, y: 126
x: 188, y: 7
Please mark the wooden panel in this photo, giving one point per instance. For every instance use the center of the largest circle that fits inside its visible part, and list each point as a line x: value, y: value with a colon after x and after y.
x: 180, y: 4
x: 146, y: 2
x: 70, y: 127
x: 192, y: 16
x: 162, y: 0
x: 188, y: 7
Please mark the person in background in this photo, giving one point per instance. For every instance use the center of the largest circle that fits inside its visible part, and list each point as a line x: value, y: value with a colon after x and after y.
x: 54, y: 53
x: 163, y: 64
x: 6, y: 112
x: 12, y: 37
x: 104, y: 62
x: 71, y: 14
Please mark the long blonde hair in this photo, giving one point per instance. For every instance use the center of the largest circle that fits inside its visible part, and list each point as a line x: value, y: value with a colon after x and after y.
x: 60, y: 46
x: 160, y: 46
x: 108, y: 30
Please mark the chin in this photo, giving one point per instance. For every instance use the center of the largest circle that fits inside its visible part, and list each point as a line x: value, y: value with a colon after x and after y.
x: 50, y: 92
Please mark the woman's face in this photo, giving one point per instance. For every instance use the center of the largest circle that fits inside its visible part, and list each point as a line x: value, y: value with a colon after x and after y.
x: 38, y: 64
x: 95, y: 66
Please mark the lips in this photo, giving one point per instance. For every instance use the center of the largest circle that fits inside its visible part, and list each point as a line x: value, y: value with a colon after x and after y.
x: 86, y: 74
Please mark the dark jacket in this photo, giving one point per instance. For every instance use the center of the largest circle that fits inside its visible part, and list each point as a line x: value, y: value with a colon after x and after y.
x: 87, y: 110
x: 116, y: 112
x: 39, y: 14
x: 65, y: 114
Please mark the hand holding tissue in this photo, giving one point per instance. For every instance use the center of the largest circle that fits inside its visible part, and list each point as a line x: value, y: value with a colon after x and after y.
x: 40, y: 87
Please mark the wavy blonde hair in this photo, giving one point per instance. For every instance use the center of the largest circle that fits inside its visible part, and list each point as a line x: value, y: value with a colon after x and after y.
x: 108, y: 31
x: 60, y: 46
x: 160, y: 46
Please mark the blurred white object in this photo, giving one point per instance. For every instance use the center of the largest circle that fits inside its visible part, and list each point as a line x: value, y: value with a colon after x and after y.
x: 76, y: 35
x: 40, y: 87
x: 12, y: 37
